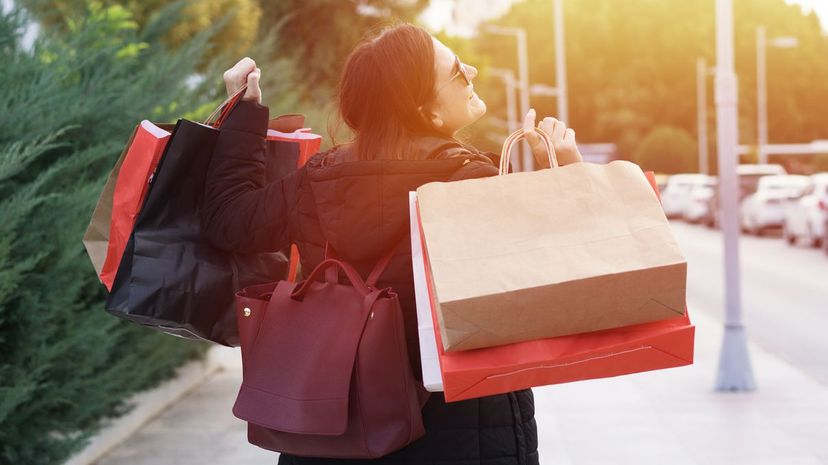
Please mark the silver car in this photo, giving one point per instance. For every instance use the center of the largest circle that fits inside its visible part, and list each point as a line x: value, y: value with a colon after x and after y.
x: 805, y: 218
x: 677, y: 193
x: 765, y: 208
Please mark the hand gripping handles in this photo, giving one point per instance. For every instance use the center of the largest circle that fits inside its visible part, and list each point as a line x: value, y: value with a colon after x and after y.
x: 218, y: 115
x: 518, y: 135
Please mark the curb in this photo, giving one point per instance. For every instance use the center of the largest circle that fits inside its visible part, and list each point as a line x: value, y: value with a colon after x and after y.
x: 148, y: 404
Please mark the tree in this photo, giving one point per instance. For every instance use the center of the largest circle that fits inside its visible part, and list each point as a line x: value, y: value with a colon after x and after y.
x: 238, y: 19
x: 820, y: 163
x: 69, y: 105
x: 319, y: 34
x: 667, y: 149
x: 631, y: 66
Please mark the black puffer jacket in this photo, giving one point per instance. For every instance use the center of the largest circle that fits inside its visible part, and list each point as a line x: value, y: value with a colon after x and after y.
x: 361, y: 209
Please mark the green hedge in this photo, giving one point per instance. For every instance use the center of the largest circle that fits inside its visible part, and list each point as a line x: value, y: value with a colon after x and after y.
x: 667, y: 149
x: 69, y: 103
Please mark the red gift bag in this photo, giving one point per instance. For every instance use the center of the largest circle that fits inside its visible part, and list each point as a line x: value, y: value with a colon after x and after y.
x: 283, y: 129
x: 496, y: 370
x: 125, y: 192
x: 140, y: 159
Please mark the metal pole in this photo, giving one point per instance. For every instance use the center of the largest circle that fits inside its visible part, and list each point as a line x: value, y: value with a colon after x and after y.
x: 528, y: 163
x: 560, y: 63
x: 701, y: 111
x: 511, y: 100
x: 761, y: 94
x: 511, y: 96
x: 735, y: 373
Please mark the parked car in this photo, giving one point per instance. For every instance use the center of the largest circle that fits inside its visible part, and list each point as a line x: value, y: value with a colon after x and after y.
x: 748, y: 179
x: 805, y: 218
x: 677, y: 193
x: 697, y: 209
x: 824, y: 238
x: 765, y: 208
x: 661, y: 182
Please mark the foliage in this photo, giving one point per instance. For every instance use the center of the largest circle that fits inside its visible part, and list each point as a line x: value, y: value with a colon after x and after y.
x: 667, y: 149
x: 820, y: 163
x: 631, y: 66
x: 320, y: 34
x: 239, y: 19
x: 70, y: 103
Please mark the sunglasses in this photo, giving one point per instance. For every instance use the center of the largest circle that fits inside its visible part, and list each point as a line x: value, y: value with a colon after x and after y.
x: 461, y: 72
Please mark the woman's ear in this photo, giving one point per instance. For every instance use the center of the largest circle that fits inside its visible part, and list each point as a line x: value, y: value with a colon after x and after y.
x: 432, y: 116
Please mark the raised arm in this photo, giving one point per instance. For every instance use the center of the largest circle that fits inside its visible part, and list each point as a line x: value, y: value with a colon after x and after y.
x: 240, y: 213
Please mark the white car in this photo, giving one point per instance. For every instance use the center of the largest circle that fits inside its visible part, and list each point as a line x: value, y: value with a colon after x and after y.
x: 677, y: 193
x: 698, y: 205
x: 765, y: 208
x: 806, y: 218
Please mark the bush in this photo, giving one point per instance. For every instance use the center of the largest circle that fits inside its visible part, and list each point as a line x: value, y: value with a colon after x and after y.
x: 820, y: 163
x: 667, y: 149
x: 69, y: 104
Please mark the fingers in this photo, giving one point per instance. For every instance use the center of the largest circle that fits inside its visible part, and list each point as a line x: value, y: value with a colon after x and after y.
x: 529, y: 128
x: 236, y: 76
x: 569, y: 137
x: 554, y: 128
x: 562, y: 139
x: 253, y: 92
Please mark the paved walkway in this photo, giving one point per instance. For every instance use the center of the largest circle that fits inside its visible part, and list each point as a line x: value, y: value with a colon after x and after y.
x: 666, y: 417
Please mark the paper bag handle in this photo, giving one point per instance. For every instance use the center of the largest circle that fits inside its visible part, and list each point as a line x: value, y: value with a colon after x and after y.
x: 223, y: 110
x: 518, y: 135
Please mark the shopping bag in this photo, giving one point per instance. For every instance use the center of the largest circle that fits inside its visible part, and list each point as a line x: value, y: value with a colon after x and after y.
x: 559, y: 251
x: 289, y: 145
x: 170, y: 277
x: 496, y: 370
x: 289, y: 129
x: 143, y: 148
x: 131, y: 187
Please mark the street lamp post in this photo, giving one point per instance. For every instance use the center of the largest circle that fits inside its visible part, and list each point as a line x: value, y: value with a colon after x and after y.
x: 560, y: 63
x: 735, y: 373
x: 701, y: 112
x: 762, y: 86
x: 527, y: 160
x: 508, y: 77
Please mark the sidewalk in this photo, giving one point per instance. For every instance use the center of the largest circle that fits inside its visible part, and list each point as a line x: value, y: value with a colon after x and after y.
x: 665, y: 417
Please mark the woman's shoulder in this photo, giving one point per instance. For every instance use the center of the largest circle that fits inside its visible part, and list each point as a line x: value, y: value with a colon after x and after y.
x: 433, y: 147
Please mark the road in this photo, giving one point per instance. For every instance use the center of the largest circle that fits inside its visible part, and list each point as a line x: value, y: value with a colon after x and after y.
x: 784, y: 292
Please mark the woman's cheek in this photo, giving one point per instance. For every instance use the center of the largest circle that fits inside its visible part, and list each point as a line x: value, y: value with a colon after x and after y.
x: 478, y: 105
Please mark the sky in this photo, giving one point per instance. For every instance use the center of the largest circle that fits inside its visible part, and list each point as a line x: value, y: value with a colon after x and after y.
x: 438, y: 15
x: 819, y: 6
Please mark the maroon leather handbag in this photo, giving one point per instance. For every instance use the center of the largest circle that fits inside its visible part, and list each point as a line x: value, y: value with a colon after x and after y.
x: 325, y: 366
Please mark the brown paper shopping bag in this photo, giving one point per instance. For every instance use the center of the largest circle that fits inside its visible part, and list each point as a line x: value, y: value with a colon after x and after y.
x: 560, y: 251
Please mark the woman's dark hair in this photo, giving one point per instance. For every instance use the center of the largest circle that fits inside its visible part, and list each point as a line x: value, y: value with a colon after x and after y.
x: 386, y: 79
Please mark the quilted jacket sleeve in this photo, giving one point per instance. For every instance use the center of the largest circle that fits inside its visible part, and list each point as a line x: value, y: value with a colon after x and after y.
x: 240, y: 213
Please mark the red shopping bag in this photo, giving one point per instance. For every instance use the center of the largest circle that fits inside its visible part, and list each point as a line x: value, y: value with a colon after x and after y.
x: 495, y: 370
x: 132, y: 176
x: 125, y: 192
x: 284, y: 129
x: 140, y: 159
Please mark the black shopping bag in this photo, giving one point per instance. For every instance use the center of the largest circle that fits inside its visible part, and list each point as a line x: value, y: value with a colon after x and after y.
x: 171, y: 278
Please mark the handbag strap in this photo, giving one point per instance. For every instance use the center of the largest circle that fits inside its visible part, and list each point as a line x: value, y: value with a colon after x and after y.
x: 382, y: 264
x: 379, y: 267
x: 327, y: 265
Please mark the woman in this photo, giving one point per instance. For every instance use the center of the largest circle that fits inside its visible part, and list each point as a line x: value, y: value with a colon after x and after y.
x: 405, y: 95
